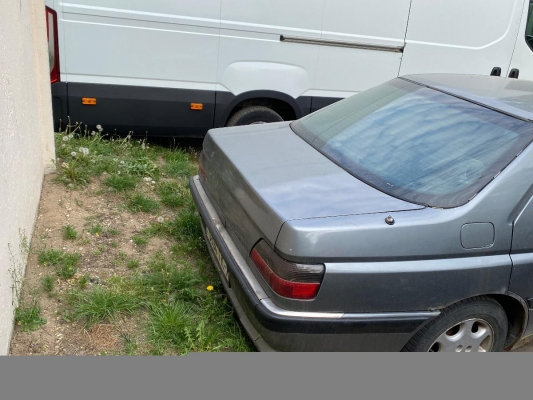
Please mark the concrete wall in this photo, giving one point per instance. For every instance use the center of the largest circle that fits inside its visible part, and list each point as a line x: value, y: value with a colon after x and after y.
x: 26, y: 141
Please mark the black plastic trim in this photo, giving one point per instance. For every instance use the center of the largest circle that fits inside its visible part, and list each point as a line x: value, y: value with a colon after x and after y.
x: 60, y: 105
x: 284, y: 324
x: 160, y: 111
x: 144, y: 110
x: 321, y: 102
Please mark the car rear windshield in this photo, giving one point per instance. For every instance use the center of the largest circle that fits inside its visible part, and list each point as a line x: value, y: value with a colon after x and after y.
x: 416, y: 143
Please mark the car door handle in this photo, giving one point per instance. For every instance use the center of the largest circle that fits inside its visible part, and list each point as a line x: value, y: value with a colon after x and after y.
x: 514, y: 73
x: 496, y: 71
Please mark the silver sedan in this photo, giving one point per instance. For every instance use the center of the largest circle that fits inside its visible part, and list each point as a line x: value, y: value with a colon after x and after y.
x: 397, y: 219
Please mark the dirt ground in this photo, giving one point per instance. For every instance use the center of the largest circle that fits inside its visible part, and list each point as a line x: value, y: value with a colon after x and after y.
x: 81, y: 209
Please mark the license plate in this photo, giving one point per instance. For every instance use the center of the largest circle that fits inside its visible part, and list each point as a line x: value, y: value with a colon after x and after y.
x: 218, y: 255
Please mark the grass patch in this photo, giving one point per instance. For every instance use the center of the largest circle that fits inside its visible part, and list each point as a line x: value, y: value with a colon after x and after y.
x: 141, y: 166
x: 121, y: 183
x: 47, y: 284
x: 178, y: 164
x: 69, y: 233
x: 82, y: 282
x: 179, y: 296
x: 141, y: 240
x: 28, y: 316
x: 67, y: 271
x: 172, y: 194
x: 73, y: 172
x: 50, y: 257
x: 130, y: 345
x: 101, y: 305
x: 141, y: 203
x: 96, y: 229
x: 65, y: 263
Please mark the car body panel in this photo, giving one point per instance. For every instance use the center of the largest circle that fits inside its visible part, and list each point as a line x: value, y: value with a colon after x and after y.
x: 272, y: 328
x: 267, y: 183
x: 273, y: 184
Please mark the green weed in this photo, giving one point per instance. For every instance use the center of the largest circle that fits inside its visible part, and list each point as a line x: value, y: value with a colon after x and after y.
x: 141, y: 203
x: 121, y: 183
x: 47, y: 283
x: 28, y: 316
x: 69, y: 233
x: 101, y: 305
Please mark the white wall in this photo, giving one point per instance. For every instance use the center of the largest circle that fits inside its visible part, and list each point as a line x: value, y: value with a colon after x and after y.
x: 26, y: 139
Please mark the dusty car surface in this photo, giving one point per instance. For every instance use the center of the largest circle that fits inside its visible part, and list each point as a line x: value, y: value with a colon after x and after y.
x: 397, y: 219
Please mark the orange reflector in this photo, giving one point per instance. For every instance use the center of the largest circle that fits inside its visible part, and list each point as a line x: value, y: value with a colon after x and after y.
x: 88, y: 101
x: 197, y: 106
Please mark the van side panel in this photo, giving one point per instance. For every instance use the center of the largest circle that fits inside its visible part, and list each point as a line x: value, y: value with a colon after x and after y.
x: 153, y: 43
x: 252, y: 57
x: 376, y: 22
x: 145, y: 62
x: 457, y: 36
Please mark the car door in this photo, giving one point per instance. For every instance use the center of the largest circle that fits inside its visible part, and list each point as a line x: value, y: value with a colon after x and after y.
x: 522, y: 62
x: 364, y: 42
x: 457, y: 36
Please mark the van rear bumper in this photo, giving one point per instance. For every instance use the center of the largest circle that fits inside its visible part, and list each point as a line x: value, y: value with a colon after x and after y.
x: 272, y: 328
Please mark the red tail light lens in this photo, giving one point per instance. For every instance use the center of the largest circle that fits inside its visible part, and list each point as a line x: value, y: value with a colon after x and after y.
x: 53, y: 46
x: 291, y: 280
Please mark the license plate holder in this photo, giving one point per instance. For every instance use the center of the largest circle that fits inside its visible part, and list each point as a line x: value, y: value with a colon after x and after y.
x: 219, y: 260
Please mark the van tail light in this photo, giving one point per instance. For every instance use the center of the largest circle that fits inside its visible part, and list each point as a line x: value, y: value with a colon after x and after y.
x: 53, y: 44
x: 291, y: 280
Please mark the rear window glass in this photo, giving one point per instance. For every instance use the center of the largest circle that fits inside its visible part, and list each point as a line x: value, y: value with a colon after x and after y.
x: 416, y: 143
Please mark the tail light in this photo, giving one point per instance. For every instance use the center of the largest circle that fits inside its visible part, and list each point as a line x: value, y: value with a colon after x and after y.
x: 291, y: 280
x: 53, y: 46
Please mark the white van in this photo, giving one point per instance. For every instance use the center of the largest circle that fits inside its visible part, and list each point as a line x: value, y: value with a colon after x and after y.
x: 181, y: 67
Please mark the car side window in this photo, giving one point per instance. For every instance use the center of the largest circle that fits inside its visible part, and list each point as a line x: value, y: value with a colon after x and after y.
x: 529, y: 26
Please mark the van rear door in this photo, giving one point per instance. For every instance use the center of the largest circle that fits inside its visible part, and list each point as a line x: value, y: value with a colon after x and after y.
x: 457, y: 36
x: 372, y: 34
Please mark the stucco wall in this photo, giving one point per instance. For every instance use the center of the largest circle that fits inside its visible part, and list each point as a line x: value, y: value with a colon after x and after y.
x: 26, y: 140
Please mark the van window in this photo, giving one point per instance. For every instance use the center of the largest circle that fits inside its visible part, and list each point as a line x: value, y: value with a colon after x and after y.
x: 529, y: 27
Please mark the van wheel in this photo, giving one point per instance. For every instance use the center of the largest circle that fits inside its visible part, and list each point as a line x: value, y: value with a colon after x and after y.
x: 474, y: 325
x: 254, y: 115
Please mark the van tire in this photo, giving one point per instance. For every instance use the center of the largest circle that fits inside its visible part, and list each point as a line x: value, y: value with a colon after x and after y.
x: 254, y: 115
x: 484, y: 309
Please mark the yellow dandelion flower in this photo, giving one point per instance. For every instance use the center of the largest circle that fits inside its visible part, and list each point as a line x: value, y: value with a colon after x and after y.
x: 210, y: 288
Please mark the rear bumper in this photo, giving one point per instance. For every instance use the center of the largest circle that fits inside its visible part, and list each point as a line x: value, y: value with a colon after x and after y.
x: 275, y: 329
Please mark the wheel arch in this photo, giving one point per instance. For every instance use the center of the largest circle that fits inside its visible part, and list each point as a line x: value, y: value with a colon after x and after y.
x: 287, y: 106
x: 515, y: 308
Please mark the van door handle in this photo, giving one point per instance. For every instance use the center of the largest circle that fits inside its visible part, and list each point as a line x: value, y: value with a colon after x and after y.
x: 496, y: 71
x: 514, y: 73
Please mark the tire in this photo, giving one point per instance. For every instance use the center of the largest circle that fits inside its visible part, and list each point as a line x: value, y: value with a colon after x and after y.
x: 464, y: 327
x: 254, y: 115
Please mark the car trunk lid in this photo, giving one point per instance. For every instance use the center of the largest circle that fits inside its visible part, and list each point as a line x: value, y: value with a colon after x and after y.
x: 262, y: 176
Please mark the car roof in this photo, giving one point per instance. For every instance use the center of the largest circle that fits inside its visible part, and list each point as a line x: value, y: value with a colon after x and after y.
x: 510, y: 96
